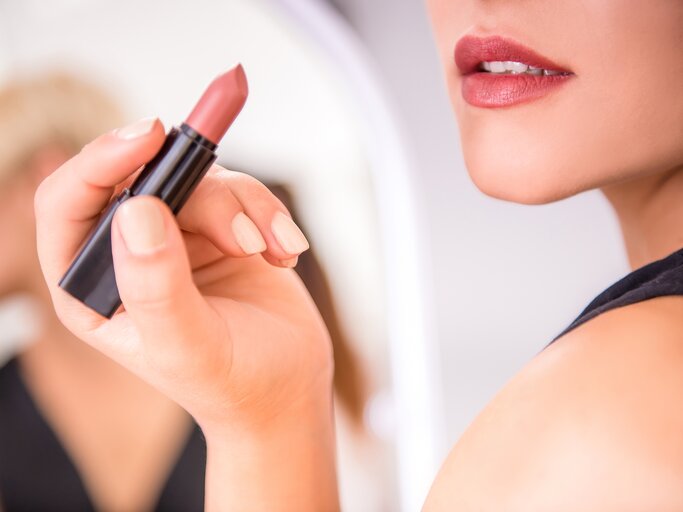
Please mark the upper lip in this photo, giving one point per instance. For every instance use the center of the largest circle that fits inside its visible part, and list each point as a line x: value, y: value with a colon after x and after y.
x: 471, y: 51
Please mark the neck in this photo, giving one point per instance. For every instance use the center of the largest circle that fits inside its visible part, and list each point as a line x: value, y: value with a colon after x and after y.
x: 650, y: 212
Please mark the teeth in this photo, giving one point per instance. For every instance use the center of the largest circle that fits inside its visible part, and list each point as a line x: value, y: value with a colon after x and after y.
x: 516, y: 68
x: 497, y: 66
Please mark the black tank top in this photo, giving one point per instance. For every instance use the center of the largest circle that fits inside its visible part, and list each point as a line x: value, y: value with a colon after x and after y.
x: 657, y: 279
x: 37, y: 475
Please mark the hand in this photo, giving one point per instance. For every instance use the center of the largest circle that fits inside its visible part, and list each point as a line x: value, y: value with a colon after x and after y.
x: 233, y: 337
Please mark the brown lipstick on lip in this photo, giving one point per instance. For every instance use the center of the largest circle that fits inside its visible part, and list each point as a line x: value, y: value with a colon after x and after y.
x: 172, y: 175
x: 532, y: 77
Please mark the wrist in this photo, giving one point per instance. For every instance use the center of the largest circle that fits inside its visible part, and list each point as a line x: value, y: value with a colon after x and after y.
x: 257, y: 413
x: 287, y: 463
x: 265, y: 424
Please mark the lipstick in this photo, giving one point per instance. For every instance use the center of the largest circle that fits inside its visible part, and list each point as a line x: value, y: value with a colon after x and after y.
x: 172, y: 175
x: 493, y: 85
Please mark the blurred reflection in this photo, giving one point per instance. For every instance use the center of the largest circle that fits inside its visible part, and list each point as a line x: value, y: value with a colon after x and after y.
x: 305, y: 127
x: 77, y: 432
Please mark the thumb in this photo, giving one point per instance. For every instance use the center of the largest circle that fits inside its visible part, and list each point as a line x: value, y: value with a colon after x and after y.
x: 155, y: 282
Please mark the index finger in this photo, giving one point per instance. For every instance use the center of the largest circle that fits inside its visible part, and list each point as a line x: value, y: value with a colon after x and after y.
x: 69, y: 201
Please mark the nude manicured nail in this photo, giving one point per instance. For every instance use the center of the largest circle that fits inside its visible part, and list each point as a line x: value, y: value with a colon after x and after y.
x: 137, y: 129
x: 288, y: 234
x: 290, y: 263
x: 142, y: 226
x: 247, y: 234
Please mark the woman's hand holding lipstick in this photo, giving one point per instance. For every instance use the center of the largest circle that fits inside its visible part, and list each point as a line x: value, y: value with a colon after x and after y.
x: 210, y: 318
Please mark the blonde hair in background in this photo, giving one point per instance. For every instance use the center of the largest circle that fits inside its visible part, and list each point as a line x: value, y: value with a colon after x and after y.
x: 51, y: 108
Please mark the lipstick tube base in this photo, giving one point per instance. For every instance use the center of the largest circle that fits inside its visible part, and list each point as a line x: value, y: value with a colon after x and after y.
x: 172, y: 175
x: 91, y: 278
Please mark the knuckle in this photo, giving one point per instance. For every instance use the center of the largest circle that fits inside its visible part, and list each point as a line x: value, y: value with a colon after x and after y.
x: 254, y: 192
x: 241, y: 180
x: 249, y: 183
x: 248, y: 190
x: 94, y: 146
x: 216, y: 169
x: 215, y: 195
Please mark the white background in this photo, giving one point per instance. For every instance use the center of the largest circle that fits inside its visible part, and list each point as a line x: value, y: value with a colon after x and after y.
x: 505, y: 278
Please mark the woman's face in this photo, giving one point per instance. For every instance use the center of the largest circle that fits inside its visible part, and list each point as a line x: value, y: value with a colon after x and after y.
x: 536, y: 139
x: 17, y: 234
x: 19, y: 269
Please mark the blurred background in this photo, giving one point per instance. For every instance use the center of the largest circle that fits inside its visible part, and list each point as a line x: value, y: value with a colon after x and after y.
x: 442, y: 293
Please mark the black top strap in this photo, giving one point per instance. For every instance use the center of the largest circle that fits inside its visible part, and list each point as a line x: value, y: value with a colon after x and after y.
x: 657, y: 279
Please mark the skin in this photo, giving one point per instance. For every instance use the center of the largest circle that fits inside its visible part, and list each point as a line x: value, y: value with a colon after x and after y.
x: 593, y: 423
x: 618, y: 95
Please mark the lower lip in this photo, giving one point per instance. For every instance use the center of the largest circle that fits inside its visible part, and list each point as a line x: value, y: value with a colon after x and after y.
x: 489, y: 90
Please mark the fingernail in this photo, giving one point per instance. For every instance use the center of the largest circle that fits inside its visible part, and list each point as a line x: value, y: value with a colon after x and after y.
x: 290, y: 263
x: 136, y: 129
x: 247, y: 234
x: 142, y: 226
x: 288, y: 234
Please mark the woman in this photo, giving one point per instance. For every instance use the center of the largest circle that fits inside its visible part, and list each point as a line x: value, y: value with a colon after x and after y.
x: 77, y: 431
x: 592, y: 423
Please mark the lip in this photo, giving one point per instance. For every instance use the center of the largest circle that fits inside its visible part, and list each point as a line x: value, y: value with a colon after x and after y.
x: 490, y: 90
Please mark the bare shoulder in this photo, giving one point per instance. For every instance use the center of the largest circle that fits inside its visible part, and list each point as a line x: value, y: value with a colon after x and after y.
x: 593, y: 423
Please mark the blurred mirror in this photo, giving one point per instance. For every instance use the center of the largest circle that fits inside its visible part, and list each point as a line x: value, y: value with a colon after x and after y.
x: 317, y: 129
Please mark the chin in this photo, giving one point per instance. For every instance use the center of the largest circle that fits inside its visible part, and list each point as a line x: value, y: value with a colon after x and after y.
x: 522, y: 181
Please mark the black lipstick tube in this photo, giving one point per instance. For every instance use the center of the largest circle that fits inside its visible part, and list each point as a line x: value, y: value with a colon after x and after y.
x: 171, y: 175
